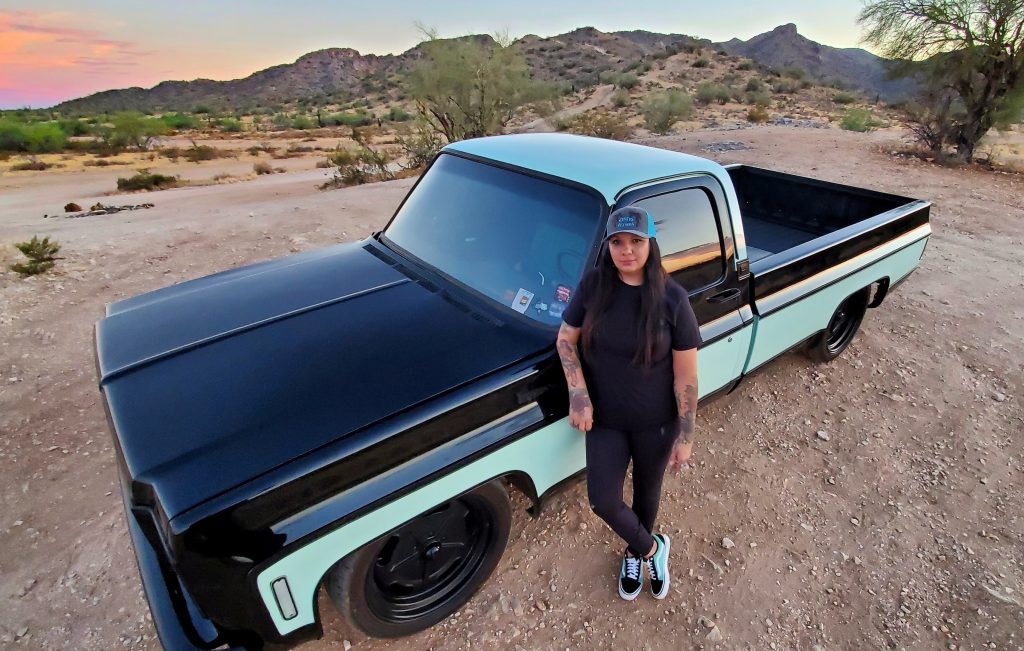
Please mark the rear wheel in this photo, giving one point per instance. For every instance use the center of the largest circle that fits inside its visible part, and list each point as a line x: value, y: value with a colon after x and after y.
x: 845, y: 321
x: 426, y: 569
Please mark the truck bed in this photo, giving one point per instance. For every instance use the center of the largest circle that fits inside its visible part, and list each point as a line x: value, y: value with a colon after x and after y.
x: 797, y: 228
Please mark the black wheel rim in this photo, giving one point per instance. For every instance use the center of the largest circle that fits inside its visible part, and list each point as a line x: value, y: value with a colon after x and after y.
x: 424, y: 564
x: 842, y: 327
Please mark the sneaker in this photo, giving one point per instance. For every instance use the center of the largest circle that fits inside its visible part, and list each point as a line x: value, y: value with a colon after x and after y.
x: 657, y: 567
x: 631, y: 577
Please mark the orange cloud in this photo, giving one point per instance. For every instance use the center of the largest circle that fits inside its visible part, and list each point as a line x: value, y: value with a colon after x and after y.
x: 42, y: 60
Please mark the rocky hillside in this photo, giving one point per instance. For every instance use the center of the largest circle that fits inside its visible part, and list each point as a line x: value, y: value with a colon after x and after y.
x: 576, y: 59
x: 783, y: 48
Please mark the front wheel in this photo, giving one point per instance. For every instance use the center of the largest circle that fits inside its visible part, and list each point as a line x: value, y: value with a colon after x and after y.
x: 845, y: 321
x: 426, y: 569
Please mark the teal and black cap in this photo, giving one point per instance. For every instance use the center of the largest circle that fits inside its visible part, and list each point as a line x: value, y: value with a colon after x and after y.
x: 630, y: 219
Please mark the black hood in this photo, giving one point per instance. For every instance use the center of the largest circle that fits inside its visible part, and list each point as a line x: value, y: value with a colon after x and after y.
x: 215, y: 381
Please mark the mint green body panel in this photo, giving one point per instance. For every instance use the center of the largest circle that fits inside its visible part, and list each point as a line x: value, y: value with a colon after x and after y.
x: 787, y: 327
x: 721, y: 363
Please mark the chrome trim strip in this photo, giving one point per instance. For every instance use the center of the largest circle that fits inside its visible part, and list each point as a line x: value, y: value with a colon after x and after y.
x: 798, y: 290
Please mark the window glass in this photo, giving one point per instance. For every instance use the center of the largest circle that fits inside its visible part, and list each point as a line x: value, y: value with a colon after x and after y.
x: 691, y: 248
x: 517, y: 239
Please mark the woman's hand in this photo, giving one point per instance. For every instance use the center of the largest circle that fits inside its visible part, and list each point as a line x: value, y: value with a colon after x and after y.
x: 680, y: 454
x: 581, y: 411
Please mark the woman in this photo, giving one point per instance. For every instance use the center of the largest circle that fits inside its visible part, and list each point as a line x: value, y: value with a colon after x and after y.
x: 632, y: 387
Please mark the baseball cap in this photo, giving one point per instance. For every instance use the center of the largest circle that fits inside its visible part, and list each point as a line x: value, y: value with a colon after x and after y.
x: 630, y: 219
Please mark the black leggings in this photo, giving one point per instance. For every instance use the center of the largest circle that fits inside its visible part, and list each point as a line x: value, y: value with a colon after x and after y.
x: 608, y: 454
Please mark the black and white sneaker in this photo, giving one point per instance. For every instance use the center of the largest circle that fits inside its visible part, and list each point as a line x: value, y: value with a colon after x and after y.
x: 631, y: 577
x: 657, y: 567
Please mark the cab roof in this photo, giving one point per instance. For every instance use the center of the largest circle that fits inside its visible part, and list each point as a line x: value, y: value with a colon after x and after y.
x: 608, y: 166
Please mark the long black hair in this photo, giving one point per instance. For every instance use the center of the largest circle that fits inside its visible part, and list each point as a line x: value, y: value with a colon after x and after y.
x: 652, y: 303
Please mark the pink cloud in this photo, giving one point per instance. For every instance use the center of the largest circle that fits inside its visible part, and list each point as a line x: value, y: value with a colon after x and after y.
x: 43, y: 60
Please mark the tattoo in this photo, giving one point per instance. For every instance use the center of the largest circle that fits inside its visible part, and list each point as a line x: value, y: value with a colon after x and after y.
x: 570, y: 362
x: 579, y: 400
x: 686, y: 402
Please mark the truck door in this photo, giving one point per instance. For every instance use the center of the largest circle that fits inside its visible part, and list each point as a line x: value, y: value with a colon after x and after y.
x: 700, y: 255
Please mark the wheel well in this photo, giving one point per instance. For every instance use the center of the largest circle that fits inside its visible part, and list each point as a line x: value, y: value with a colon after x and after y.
x: 877, y: 292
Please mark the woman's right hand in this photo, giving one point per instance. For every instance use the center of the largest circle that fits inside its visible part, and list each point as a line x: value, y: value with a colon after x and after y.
x: 581, y: 411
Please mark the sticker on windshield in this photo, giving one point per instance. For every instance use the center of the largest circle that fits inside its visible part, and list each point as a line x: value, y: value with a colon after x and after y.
x: 522, y: 300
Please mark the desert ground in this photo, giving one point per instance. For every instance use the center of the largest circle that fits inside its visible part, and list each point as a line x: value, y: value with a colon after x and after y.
x: 874, y: 502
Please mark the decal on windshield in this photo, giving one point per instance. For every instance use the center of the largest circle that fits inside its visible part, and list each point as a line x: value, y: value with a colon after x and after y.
x: 522, y: 300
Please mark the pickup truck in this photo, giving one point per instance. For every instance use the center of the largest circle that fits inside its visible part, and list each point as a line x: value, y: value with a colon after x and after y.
x: 350, y: 419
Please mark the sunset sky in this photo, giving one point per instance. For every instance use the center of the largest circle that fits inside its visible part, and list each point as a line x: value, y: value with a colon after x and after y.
x: 53, y: 50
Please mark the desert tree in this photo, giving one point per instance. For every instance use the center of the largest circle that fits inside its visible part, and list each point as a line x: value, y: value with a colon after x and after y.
x: 969, y: 55
x: 470, y: 87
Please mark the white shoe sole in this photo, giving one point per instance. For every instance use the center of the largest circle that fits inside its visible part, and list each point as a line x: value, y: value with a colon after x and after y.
x: 664, y: 586
x: 630, y: 597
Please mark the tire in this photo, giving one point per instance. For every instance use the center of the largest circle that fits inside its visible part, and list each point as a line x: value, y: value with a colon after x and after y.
x: 842, y: 327
x: 383, y: 588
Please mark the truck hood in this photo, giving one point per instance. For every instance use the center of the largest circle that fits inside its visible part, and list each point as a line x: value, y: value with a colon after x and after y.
x: 212, y: 382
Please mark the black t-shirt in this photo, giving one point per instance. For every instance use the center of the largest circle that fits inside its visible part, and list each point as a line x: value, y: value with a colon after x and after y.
x: 627, y: 396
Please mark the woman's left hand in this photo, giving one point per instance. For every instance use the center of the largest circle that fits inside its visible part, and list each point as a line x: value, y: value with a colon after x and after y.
x: 680, y: 454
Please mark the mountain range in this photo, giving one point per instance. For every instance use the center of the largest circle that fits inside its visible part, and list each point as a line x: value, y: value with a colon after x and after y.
x: 577, y: 58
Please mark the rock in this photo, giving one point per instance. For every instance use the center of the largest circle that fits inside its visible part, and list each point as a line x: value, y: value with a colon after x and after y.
x: 806, y: 527
x: 999, y: 397
x: 855, y: 522
x: 541, y: 606
x: 72, y: 207
x: 705, y: 622
x: 714, y: 635
x: 823, y: 435
x: 727, y: 543
x: 345, y: 644
x: 517, y: 607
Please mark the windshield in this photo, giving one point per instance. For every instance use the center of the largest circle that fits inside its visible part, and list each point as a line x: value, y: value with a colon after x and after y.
x: 517, y: 239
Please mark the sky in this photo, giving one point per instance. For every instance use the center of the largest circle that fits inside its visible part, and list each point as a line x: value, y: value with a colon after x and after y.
x: 54, y: 50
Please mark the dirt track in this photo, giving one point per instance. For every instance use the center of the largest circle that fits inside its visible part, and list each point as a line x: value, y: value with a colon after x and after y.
x: 904, y: 529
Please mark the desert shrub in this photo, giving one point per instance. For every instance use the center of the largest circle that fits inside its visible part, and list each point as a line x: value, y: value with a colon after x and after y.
x: 74, y: 127
x: 785, y: 86
x: 795, y: 72
x: 35, y: 138
x: 179, y: 121
x: 31, y: 165
x: 72, y: 207
x: 620, y: 97
x: 600, y: 124
x: 131, y: 130
x: 323, y: 164
x: 41, y: 254
x: 262, y: 148
x: 398, y: 114
x: 357, y: 119
x: 754, y: 85
x: 761, y: 98
x: 708, y: 92
x: 757, y: 113
x: 229, y: 125
x: 302, y: 122
x: 806, y: 83
x: 844, y: 98
x: 145, y: 180
x: 662, y: 110
x: 262, y: 167
x: 701, y: 63
x: 420, y: 145
x: 857, y: 119
x: 745, y: 65
x: 361, y: 165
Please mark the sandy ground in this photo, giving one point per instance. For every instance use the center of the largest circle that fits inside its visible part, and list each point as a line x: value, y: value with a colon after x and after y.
x: 903, y: 530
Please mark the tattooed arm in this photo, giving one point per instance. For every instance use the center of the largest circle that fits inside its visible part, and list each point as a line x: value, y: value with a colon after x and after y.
x: 581, y: 412
x: 684, y: 367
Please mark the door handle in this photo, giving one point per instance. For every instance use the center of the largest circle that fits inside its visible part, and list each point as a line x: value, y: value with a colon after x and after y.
x: 722, y: 297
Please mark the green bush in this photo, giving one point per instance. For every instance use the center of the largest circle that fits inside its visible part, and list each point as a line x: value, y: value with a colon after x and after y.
x: 759, y: 98
x: 701, y: 63
x: 145, y: 180
x: 795, y: 73
x: 662, y: 110
x: 745, y: 65
x: 754, y: 85
x: 758, y: 113
x: 844, y: 98
x: 786, y: 86
x: 857, y: 119
x: 302, y: 122
x: 708, y: 92
x: 38, y: 138
x: 620, y: 97
x: 398, y: 114
x: 346, y: 119
x: 130, y: 129
x: 41, y: 254
x: 229, y: 125
x: 601, y: 124
x: 74, y: 127
x: 179, y: 121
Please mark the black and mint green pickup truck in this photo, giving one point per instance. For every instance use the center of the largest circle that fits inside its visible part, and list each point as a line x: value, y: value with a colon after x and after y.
x: 349, y: 419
